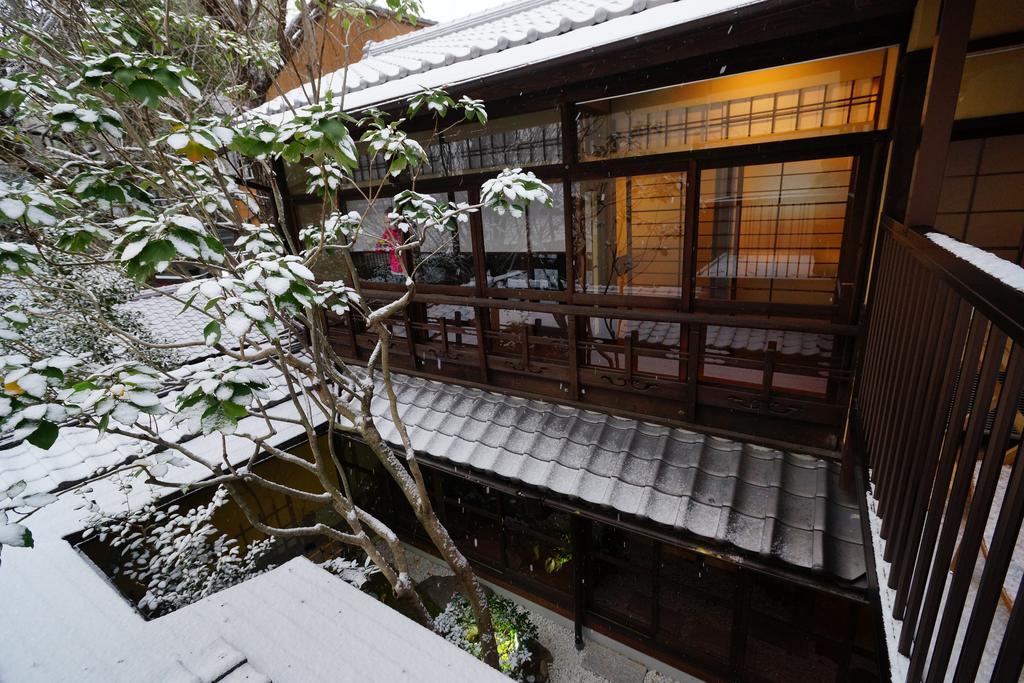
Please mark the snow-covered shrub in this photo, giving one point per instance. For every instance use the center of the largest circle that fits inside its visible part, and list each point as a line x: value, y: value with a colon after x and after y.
x: 351, y: 571
x: 513, y: 629
x: 178, y: 558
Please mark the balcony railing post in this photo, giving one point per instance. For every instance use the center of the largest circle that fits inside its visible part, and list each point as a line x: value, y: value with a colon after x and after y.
x: 951, y: 442
x: 977, y: 519
x: 958, y: 493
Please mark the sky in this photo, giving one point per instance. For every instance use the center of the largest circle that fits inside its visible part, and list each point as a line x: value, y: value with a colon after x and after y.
x: 446, y: 10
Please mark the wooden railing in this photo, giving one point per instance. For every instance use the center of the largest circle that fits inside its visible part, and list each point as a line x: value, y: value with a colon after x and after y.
x: 788, y: 379
x: 938, y: 405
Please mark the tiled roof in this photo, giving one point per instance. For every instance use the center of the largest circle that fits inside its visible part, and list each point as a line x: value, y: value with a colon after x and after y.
x: 512, y: 36
x: 784, y: 506
x: 166, y: 321
x: 780, y: 505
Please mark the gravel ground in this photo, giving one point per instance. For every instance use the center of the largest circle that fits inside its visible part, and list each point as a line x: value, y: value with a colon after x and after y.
x: 557, y: 638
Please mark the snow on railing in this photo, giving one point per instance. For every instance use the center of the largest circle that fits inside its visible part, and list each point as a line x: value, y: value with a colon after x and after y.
x: 1005, y: 271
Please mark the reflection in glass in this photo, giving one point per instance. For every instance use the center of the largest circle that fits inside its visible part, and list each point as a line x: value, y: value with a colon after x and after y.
x: 621, y: 581
x: 516, y: 141
x: 829, y: 96
x: 633, y: 228
x: 458, y: 323
x: 772, y: 233
x: 655, y: 345
x: 527, y: 252
x: 446, y: 258
x: 738, y: 355
x: 374, y: 252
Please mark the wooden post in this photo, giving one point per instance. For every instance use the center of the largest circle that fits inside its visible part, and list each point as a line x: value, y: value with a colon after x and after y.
x: 580, y: 537
x: 944, y: 75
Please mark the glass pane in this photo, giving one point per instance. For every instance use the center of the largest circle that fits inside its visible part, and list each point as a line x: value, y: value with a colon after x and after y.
x: 539, y: 544
x: 471, y: 517
x: 296, y: 178
x: 982, y: 201
x: 696, y: 605
x: 446, y: 258
x: 546, y: 332
x: 374, y: 252
x: 458, y: 321
x: 516, y: 141
x: 633, y: 228
x: 781, y: 645
x: 772, y: 233
x: 655, y: 345
x: 737, y: 355
x: 829, y: 96
x: 527, y: 252
x: 622, y: 582
x: 326, y: 266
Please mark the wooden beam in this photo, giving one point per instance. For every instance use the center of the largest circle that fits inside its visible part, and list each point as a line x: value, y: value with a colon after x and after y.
x: 944, y: 75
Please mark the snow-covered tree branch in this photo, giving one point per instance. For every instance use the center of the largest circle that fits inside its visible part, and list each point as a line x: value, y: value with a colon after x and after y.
x: 124, y: 141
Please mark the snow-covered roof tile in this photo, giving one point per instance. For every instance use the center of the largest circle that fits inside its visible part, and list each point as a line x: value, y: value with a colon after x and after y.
x: 512, y: 36
x: 785, y: 506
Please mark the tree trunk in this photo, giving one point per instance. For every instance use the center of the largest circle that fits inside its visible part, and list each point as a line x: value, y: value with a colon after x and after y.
x: 441, y: 539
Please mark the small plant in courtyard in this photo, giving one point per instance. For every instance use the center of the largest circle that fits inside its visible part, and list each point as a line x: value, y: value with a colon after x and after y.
x: 513, y: 629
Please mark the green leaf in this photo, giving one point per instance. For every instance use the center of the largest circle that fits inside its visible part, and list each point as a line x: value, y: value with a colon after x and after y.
x: 44, y: 435
x: 234, y: 411
x: 334, y: 129
x: 211, y: 333
x: 250, y: 147
x: 54, y: 373
x: 125, y: 75
x: 147, y: 91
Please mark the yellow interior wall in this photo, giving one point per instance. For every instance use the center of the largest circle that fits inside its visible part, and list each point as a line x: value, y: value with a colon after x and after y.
x: 794, y: 76
x: 658, y: 235
x: 828, y: 180
x: 991, y: 18
x: 231, y: 520
x: 993, y: 84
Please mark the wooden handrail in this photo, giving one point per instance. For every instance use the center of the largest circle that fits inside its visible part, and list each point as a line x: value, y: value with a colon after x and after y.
x: 653, y: 315
x: 998, y: 301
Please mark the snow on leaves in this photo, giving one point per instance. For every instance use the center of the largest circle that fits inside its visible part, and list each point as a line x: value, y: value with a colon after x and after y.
x: 13, y: 500
x: 218, y: 395
x: 258, y: 239
x: 415, y: 212
x: 150, y: 243
x: 198, y: 140
x: 285, y: 278
x: 143, y: 77
x: 29, y: 405
x: 178, y: 557
x: 513, y: 190
x: 26, y: 202
x: 328, y: 176
x: 81, y: 112
x: 336, y: 296
x: 436, y: 101
x: 120, y: 393
x: 337, y: 228
x: 316, y: 132
x: 398, y: 150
